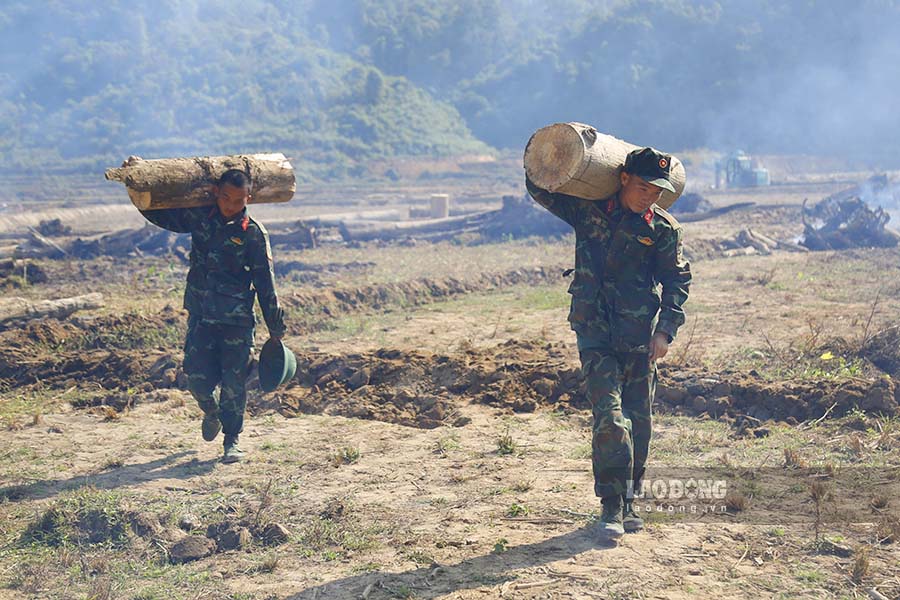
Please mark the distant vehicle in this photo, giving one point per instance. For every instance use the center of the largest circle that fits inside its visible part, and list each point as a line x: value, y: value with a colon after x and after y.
x: 740, y: 170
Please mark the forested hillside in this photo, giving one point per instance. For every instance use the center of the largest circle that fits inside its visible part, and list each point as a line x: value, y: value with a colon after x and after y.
x: 337, y: 83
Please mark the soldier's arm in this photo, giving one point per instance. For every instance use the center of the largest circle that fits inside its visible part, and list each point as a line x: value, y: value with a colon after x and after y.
x: 674, y: 274
x: 179, y: 220
x: 264, y: 283
x: 568, y: 208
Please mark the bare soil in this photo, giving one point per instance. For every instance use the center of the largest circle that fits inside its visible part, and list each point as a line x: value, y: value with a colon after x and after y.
x: 436, y: 440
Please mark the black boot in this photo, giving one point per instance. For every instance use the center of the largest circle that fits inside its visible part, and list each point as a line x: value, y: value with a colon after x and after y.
x: 211, y: 426
x: 232, y: 453
x: 611, y: 518
x: 631, y: 521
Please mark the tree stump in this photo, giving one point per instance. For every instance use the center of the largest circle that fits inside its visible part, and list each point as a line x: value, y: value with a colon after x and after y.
x: 575, y: 159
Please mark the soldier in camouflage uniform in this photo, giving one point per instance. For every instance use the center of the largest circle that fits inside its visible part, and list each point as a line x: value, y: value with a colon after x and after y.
x: 231, y: 264
x: 631, y: 281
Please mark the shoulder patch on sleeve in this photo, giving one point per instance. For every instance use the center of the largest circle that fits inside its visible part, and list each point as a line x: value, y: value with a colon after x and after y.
x: 668, y: 218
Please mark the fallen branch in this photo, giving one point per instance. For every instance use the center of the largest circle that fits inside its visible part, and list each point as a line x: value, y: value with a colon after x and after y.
x: 17, y: 309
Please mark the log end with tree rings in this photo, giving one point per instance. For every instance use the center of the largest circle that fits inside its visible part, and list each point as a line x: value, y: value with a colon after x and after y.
x: 554, y: 156
x: 187, y: 182
x: 575, y: 159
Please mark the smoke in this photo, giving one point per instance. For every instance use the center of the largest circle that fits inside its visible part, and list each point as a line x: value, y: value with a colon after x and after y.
x: 882, y: 192
x: 767, y: 76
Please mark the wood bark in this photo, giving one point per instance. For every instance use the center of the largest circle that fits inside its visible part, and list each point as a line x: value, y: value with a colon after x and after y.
x: 575, y: 159
x: 187, y: 182
x: 16, y: 309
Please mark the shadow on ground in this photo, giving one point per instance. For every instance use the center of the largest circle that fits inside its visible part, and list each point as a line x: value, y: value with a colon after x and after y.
x: 435, y: 581
x: 172, y: 466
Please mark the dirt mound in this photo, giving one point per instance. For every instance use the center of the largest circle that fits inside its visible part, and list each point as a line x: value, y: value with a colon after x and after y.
x: 414, y: 388
x: 741, y: 395
x: 883, y: 350
x: 118, y: 351
x: 425, y: 390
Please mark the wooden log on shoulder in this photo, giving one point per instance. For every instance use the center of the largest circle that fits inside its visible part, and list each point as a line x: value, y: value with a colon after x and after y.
x: 15, y: 309
x: 187, y: 182
x: 575, y: 159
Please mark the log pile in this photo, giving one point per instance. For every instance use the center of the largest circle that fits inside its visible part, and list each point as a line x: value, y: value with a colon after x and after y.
x: 148, y: 240
x: 847, y: 219
x: 38, y: 245
x: 518, y: 217
x: 746, y: 242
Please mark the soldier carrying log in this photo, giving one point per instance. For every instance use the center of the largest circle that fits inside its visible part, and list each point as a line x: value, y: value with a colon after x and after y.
x: 631, y: 282
x: 231, y: 265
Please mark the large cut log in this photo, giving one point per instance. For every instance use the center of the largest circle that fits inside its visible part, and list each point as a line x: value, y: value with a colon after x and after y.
x: 335, y: 219
x: 359, y: 230
x: 17, y: 309
x: 187, y: 182
x: 575, y: 159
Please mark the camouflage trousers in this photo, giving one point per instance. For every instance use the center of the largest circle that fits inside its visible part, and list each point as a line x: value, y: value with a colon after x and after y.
x: 219, y: 355
x: 620, y: 387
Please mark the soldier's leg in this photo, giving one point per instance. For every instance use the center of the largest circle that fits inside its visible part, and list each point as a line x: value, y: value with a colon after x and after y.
x: 638, y: 389
x: 236, y: 345
x: 201, y: 364
x: 611, y: 442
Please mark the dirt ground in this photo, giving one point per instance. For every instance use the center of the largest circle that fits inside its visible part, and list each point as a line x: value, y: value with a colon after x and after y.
x: 436, y: 442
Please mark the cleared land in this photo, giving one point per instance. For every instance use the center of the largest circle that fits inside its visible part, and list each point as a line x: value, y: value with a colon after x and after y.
x: 435, y: 443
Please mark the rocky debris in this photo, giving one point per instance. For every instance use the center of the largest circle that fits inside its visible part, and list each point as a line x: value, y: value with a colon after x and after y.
x: 191, y: 548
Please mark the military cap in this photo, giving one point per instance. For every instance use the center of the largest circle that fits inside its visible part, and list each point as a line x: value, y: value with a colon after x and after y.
x: 650, y: 165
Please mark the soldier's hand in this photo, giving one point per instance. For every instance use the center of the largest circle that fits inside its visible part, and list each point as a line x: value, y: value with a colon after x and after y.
x: 659, y: 346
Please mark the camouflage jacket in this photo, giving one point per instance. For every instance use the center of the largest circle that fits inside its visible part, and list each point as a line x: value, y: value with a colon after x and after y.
x: 231, y: 261
x: 631, y: 279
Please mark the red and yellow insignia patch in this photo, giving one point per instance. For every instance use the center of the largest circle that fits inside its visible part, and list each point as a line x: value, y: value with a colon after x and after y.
x: 645, y: 240
x: 238, y: 241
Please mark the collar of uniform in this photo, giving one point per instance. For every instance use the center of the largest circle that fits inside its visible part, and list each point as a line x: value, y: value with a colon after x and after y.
x: 613, y: 206
x: 242, y: 218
